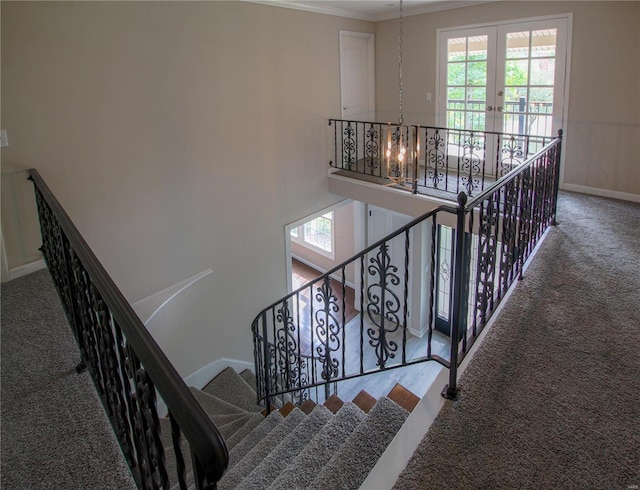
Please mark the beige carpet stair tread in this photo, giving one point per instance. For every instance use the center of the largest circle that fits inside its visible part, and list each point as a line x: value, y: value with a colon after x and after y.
x: 229, y: 386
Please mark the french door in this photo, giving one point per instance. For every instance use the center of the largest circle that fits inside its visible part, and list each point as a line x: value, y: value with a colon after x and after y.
x: 508, y: 78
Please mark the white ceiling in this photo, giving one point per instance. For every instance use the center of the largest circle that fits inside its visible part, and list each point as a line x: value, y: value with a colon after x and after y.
x: 371, y: 10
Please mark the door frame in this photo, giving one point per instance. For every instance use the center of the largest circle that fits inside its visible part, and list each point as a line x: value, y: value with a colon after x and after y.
x: 440, y: 113
x: 371, y: 76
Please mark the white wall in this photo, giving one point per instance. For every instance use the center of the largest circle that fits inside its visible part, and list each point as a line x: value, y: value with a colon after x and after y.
x: 603, y: 127
x: 179, y: 136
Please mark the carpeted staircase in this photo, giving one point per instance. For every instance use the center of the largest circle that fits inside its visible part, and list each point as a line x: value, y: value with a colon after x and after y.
x: 334, y: 445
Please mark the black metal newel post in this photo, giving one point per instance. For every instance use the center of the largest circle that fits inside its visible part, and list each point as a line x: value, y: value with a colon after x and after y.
x: 556, y: 183
x: 416, y: 158
x: 449, y: 391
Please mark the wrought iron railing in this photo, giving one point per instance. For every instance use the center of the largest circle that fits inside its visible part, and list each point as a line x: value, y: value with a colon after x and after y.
x: 305, y: 341
x: 443, y: 162
x: 126, y: 364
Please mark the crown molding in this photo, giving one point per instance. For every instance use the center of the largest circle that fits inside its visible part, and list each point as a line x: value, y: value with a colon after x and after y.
x: 318, y: 8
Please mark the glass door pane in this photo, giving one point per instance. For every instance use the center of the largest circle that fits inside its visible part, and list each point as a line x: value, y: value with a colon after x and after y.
x: 529, y: 82
x: 531, y: 79
x: 466, y: 82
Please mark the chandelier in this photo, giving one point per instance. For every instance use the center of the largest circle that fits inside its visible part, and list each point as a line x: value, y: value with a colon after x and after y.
x: 397, y: 153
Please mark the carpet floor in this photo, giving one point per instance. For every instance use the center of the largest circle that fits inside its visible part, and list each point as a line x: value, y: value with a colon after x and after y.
x: 55, y: 433
x: 552, y: 398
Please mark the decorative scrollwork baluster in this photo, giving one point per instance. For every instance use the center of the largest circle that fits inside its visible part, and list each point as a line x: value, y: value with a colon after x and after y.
x: 436, y: 156
x: 372, y: 148
x: 487, y: 243
x: 513, y: 154
x: 383, y: 305
x: 471, y: 163
x: 327, y: 329
x: 349, y: 146
x: 525, y: 217
x: 291, y: 368
x: 509, y: 252
x: 176, y: 437
x: 146, y: 426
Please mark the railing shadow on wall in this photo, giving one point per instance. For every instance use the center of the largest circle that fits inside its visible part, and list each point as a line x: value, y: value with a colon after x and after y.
x: 126, y: 364
x: 303, y: 343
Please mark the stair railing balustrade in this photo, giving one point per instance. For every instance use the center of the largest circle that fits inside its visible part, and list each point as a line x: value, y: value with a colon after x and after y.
x: 444, y: 161
x: 125, y: 362
x: 305, y: 340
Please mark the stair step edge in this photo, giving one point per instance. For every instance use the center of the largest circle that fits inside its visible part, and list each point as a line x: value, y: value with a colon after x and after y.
x: 318, y: 451
x: 259, y: 451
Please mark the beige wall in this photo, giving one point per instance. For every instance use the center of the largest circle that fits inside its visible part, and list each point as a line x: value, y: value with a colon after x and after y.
x: 179, y: 136
x: 603, y: 127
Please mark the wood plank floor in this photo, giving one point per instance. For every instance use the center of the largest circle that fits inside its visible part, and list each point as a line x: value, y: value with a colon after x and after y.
x: 356, y: 338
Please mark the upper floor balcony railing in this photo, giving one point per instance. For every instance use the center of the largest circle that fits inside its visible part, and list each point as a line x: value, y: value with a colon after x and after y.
x: 439, y: 162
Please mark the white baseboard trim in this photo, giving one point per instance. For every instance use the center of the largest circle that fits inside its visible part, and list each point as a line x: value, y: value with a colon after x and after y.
x: 200, y: 378
x: 624, y: 196
x: 321, y: 270
x: 23, y: 270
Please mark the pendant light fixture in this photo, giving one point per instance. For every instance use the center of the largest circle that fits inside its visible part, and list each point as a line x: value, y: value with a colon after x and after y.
x: 396, y: 152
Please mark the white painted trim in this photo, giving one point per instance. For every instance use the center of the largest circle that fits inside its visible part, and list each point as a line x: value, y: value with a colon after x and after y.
x: 23, y: 270
x: 393, y: 461
x: 507, y: 22
x: 318, y: 8
x: 567, y: 84
x: 398, y: 453
x: 164, y: 296
x: 322, y: 270
x: 595, y: 191
x: 295, y: 224
x: 4, y: 273
x: 200, y: 378
x: 359, y: 243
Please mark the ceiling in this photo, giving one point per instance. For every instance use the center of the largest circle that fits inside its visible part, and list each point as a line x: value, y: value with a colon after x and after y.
x: 371, y: 10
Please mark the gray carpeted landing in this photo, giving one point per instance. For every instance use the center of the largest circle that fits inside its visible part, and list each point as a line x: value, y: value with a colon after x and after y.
x: 552, y: 398
x: 55, y: 433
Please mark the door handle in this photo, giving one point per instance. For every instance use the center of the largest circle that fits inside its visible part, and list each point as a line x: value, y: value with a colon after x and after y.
x: 499, y: 108
x: 489, y: 108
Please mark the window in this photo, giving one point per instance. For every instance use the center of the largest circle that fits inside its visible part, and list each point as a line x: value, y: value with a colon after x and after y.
x: 316, y: 234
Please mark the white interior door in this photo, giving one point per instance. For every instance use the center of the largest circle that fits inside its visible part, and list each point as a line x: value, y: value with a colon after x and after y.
x: 357, y: 75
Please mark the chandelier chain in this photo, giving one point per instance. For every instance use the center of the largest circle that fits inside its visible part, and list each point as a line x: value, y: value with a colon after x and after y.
x: 400, y: 41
